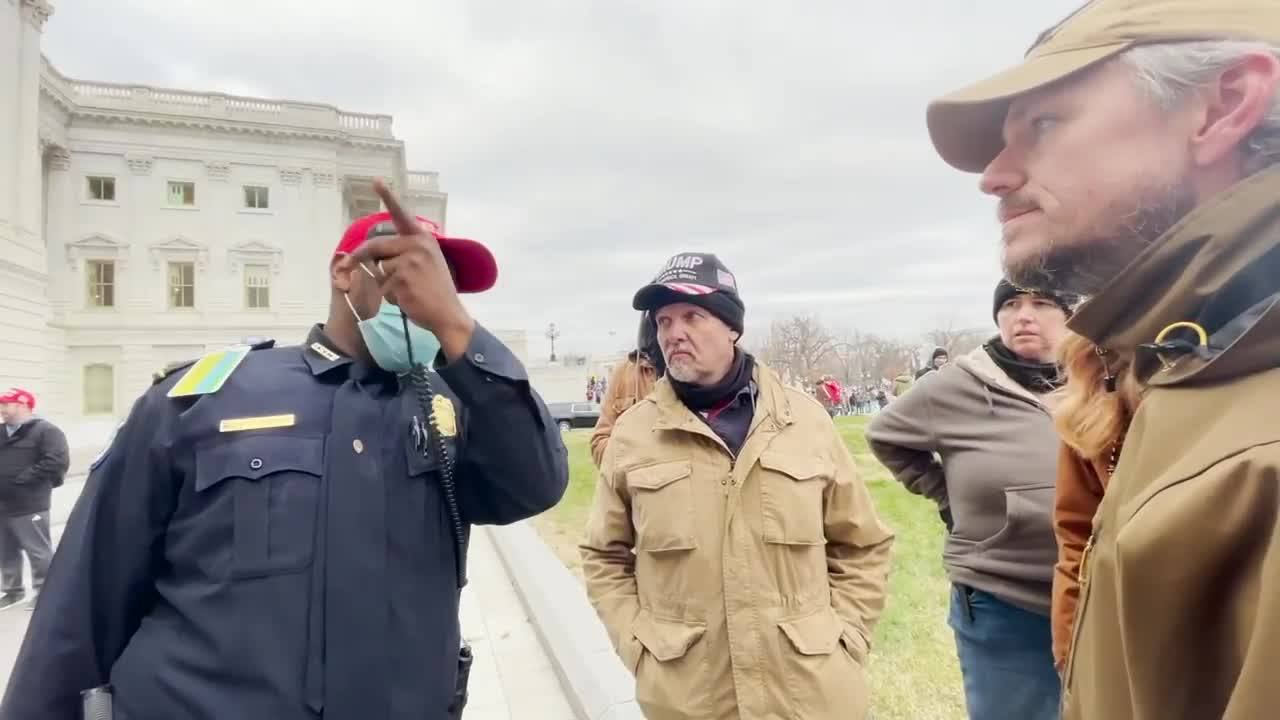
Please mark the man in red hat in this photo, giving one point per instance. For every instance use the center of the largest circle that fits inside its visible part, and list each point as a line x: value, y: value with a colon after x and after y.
x: 281, y: 532
x: 33, y: 461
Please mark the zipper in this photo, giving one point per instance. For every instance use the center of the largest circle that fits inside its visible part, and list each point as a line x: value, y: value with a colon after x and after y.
x: 1083, y: 577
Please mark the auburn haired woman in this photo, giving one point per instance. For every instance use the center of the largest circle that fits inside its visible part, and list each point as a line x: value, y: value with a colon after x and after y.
x: 1092, y: 415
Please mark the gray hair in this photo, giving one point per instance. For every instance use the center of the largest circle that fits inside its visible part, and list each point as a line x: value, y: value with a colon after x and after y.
x: 1167, y: 72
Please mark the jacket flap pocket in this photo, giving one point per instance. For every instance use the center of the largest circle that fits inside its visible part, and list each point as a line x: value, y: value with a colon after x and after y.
x: 814, y: 634
x: 256, y: 456
x: 656, y: 477
x: 666, y: 639
x: 797, y: 467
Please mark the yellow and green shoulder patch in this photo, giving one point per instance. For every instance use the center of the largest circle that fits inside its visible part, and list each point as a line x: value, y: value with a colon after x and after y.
x: 209, y: 373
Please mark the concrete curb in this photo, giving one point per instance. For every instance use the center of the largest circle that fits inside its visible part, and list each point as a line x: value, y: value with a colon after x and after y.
x: 597, y: 684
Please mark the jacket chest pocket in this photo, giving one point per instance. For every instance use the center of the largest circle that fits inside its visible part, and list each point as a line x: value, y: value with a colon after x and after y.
x: 662, y: 506
x: 274, y: 484
x: 791, y: 498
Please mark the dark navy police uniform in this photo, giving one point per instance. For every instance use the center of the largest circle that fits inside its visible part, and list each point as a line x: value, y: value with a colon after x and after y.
x: 305, y: 570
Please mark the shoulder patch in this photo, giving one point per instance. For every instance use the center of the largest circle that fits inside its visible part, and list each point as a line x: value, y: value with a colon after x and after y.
x: 210, y: 372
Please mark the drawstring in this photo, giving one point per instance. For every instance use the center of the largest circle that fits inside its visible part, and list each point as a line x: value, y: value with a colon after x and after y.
x: 991, y: 406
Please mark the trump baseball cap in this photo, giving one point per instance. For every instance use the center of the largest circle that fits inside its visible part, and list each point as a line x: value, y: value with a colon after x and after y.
x: 698, y: 279
x: 20, y: 396
x: 967, y: 126
x: 473, y: 266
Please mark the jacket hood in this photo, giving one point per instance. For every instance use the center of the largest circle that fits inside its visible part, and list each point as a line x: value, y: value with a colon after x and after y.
x: 1218, y: 268
x: 980, y: 365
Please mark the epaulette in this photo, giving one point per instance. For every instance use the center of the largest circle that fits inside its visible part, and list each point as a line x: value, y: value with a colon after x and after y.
x: 208, y: 374
x: 158, y: 376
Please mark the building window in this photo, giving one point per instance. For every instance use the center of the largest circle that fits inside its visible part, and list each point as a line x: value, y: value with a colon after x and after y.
x: 99, y: 389
x: 182, y: 285
x: 102, y: 283
x: 257, y: 197
x: 102, y: 188
x: 257, y: 287
x: 182, y: 194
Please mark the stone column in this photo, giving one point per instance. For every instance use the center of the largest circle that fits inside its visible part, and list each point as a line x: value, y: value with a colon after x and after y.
x: 23, y: 262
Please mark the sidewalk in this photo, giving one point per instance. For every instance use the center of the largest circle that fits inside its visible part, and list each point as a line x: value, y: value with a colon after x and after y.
x: 512, y: 677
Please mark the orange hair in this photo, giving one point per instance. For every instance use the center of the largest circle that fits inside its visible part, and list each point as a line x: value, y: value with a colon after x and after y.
x: 1091, y: 419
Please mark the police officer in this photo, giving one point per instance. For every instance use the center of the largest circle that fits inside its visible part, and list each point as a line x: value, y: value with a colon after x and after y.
x: 275, y: 541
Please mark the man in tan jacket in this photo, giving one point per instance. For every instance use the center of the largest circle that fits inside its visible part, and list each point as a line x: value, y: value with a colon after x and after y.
x: 733, y: 553
x: 1134, y: 155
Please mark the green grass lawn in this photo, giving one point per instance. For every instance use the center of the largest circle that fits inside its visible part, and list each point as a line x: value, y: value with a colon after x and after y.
x: 914, y: 675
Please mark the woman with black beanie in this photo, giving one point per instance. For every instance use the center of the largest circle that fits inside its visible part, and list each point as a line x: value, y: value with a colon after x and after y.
x: 977, y: 437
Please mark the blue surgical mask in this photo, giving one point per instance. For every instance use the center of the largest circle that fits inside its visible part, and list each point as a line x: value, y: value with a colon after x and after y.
x: 385, y: 339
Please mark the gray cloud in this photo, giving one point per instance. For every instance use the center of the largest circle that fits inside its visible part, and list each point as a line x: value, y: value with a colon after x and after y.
x: 587, y: 141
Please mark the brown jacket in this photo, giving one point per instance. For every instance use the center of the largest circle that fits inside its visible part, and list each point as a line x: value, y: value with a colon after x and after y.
x: 1081, y: 484
x: 1179, y: 615
x: 630, y: 383
x: 737, y: 588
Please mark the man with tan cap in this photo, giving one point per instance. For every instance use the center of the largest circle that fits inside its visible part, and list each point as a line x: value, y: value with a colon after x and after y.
x: 1134, y: 154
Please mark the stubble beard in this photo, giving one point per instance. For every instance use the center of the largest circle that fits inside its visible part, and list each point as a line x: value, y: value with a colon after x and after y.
x: 682, y: 371
x: 1086, y: 267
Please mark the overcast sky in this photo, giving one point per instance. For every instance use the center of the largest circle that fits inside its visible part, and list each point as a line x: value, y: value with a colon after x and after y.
x: 588, y: 140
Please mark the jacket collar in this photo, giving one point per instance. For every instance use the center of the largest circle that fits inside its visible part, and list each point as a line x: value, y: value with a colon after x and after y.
x: 772, y: 402
x: 1218, y: 268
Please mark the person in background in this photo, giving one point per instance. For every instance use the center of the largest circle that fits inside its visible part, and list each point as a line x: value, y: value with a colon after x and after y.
x: 1092, y: 417
x: 732, y: 552
x: 33, y: 461
x: 902, y: 383
x: 632, y: 380
x: 977, y: 438
x: 939, y: 358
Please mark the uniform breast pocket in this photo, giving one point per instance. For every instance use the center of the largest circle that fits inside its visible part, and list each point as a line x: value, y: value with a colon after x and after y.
x: 791, y: 502
x: 274, y: 486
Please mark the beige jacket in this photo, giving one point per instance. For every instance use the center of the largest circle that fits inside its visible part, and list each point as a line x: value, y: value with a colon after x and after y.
x: 1179, y: 612
x: 737, y: 589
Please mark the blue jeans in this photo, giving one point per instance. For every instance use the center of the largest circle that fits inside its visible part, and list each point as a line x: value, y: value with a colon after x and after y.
x: 1006, y: 658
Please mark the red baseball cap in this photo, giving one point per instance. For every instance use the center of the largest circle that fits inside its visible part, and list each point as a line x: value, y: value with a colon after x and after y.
x: 20, y: 396
x: 473, y: 266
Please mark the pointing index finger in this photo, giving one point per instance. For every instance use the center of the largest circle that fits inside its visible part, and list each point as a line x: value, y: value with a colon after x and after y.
x: 405, y: 223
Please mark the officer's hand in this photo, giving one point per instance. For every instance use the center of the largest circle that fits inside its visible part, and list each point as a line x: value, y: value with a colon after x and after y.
x: 415, y: 276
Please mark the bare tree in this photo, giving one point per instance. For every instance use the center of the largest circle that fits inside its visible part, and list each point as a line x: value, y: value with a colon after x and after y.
x: 797, y: 347
x: 956, y: 340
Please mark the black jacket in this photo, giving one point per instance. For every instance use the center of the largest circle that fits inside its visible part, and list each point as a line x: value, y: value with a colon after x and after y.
x: 280, y: 548
x: 32, y: 463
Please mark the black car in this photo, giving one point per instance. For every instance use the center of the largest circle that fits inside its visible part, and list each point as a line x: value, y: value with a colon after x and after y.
x: 575, y: 415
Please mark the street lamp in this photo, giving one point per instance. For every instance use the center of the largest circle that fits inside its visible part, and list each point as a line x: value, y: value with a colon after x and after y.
x: 552, y: 334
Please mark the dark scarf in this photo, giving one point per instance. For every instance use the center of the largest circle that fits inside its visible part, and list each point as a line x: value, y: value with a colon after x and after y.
x: 1034, y: 376
x: 700, y: 398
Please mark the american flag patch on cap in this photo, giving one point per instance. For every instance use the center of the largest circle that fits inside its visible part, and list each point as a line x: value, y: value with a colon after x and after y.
x: 726, y: 278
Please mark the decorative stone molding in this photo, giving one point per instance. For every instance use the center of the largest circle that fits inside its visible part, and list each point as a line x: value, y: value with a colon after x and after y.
x: 291, y: 176
x: 323, y: 179
x: 97, y: 247
x: 217, y: 170
x: 37, y: 12
x: 254, y: 252
x: 59, y: 158
x: 179, y: 249
x: 140, y: 164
